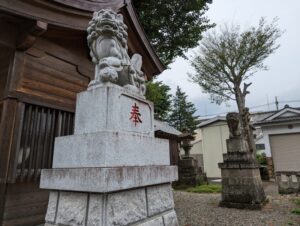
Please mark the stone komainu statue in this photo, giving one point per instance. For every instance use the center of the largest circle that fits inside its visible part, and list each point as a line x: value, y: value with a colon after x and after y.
x: 233, y: 124
x: 107, y: 40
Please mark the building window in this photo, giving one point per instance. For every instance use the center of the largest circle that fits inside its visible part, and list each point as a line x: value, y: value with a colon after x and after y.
x: 260, y: 147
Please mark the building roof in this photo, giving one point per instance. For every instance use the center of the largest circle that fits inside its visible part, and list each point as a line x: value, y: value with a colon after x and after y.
x: 285, y: 115
x: 211, y: 121
x: 74, y: 15
x: 160, y: 126
x: 259, y: 116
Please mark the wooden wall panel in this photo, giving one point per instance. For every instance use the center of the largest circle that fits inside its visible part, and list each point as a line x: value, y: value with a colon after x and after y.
x: 7, y: 114
x: 5, y: 57
x: 2, y: 200
x: 51, y: 80
x: 6, y: 136
x: 25, y: 205
x: 50, y: 75
x: 1, y: 111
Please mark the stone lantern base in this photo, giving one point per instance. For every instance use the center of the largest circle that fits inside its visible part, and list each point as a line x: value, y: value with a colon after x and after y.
x: 187, y: 171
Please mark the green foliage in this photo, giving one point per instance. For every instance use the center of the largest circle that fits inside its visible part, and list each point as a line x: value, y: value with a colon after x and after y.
x: 206, y: 188
x: 200, y: 180
x: 297, y: 201
x: 158, y: 93
x: 261, y: 159
x: 228, y: 57
x: 183, y: 113
x: 172, y: 26
x: 296, y: 211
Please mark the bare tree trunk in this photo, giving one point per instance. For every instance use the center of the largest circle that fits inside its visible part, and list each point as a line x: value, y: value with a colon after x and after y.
x: 243, y: 118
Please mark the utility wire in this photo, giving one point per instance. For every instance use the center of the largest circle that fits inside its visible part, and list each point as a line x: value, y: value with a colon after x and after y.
x: 254, y: 107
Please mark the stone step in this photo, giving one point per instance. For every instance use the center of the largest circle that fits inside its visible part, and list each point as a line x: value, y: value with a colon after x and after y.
x: 108, y: 179
x: 110, y: 149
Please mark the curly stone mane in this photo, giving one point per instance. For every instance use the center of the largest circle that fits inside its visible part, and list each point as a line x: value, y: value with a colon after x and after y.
x: 107, y: 40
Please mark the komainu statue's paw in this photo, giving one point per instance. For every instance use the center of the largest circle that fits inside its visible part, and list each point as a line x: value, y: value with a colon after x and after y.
x: 93, y: 83
x: 132, y: 88
x: 109, y: 74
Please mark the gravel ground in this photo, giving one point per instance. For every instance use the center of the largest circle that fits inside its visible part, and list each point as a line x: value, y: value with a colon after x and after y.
x: 202, y: 209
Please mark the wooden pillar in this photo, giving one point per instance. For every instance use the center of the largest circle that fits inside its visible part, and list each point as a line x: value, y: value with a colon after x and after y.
x: 7, y: 125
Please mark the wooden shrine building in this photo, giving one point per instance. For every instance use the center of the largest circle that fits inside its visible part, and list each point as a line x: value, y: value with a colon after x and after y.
x: 44, y: 63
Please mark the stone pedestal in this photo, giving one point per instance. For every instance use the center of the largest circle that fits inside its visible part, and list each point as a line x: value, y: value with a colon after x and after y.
x: 112, y: 171
x: 288, y: 182
x: 187, y: 171
x: 241, y: 183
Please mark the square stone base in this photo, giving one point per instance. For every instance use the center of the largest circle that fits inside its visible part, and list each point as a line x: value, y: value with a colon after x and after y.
x: 242, y: 188
x: 187, y: 171
x: 147, y: 206
x: 288, y: 182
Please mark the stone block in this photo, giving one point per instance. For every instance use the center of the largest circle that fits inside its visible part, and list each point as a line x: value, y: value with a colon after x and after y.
x: 242, y: 188
x: 52, y: 206
x: 109, y: 149
x: 153, y: 222
x: 287, y: 182
x: 72, y: 209
x: 236, y: 145
x: 170, y: 219
x: 126, y: 207
x: 108, y: 107
x: 294, y: 179
x: 189, y: 162
x: 233, y: 173
x: 160, y: 199
x: 284, y: 178
x: 109, y: 179
x: 48, y: 224
x: 95, y: 210
x: 239, y: 157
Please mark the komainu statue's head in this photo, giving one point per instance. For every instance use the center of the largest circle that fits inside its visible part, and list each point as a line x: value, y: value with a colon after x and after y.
x: 233, y: 124
x: 107, y: 40
x: 108, y: 27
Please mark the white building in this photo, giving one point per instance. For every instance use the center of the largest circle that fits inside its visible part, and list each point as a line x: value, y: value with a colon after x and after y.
x: 281, y: 137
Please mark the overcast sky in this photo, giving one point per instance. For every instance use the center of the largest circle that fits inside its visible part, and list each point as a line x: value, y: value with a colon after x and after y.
x: 283, y: 77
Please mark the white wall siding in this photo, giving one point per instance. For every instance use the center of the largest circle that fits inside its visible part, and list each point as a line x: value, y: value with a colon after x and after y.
x: 214, y: 145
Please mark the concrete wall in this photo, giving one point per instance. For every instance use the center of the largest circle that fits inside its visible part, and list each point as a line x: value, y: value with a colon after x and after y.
x: 197, y: 148
x: 213, y: 146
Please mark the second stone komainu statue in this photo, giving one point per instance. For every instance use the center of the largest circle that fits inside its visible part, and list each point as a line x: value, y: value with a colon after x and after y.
x: 241, y: 182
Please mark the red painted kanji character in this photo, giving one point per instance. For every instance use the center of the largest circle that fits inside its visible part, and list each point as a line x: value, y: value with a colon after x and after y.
x: 135, y: 114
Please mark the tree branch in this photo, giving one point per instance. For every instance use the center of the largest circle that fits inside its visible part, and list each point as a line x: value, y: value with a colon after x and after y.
x: 245, y: 91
